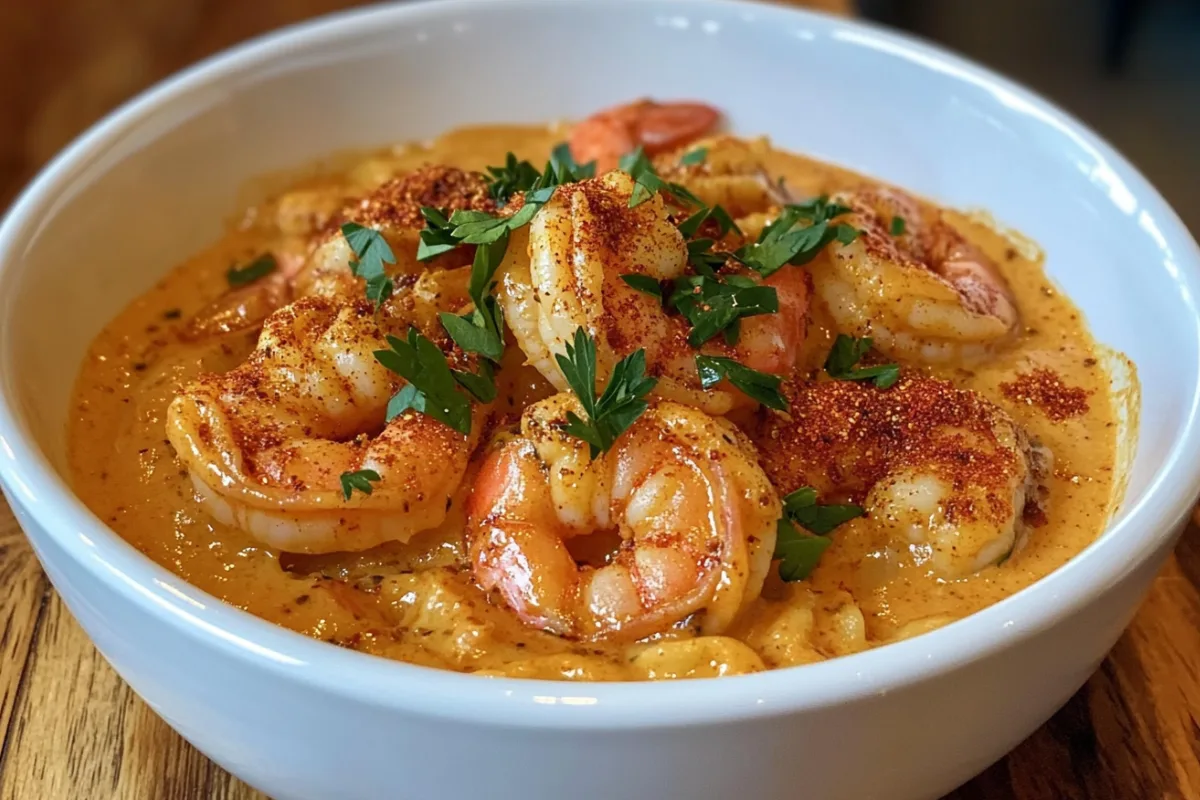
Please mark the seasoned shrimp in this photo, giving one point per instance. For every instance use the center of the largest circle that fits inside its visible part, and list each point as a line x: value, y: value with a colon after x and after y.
x: 580, y: 244
x: 942, y: 472
x: 926, y: 294
x: 733, y: 175
x: 695, y: 513
x: 657, y: 127
x: 266, y: 443
x: 313, y: 257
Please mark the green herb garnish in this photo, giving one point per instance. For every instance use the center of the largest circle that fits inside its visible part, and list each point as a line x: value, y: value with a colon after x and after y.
x: 371, y: 252
x: 360, y: 480
x: 647, y: 183
x: 897, y: 226
x: 690, y: 226
x: 644, y: 284
x: 482, y: 330
x: 761, y: 386
x: 781, y: 242
x: 800, y: 550
x: 432, y: 388
x: 437, y: 236
x: 622, y: 401
x: 715, y: 306
x: 515, y: 176
x: 848, y: 351
x: 260, y: 267
x: 693, y: 157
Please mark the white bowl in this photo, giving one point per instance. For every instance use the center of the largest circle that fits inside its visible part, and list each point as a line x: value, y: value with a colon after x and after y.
x: 299, y: 718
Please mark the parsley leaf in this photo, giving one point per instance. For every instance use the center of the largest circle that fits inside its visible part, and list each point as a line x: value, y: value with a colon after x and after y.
x: 481, y: 331
x: 647, y: 183
x: 712, y: 305
x: 360, y: 480
x: 799, y: 551
x: 848, y: 351
x: 371, y: 252
x: 897, y: 226
x: 693, y: 157
x: 437, y: 236
x: 515, y: 176
x: 621, y: 403
x: 260, y: 267
x: 432, y: 387
x: 644, y: 284
x: 761, y: 386
x: 781, y: 242
x: 690, y: 226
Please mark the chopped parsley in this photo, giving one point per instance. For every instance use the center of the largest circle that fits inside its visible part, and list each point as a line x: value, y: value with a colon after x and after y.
x: 432, y: 387
x: 481, y: 331
x: 694, y: 157
x: 515, y: 176
x: 848, y: 351
x: 761, y: 386
x: 647, y: 183
x: 782, y: 242
x: 621, y: 403
x: 690, y: 226
x: 712, y: 305
x: 799, y: 551
x: 361, y: 480
x: 260, y: 267
x: 371, y: 253
x: 644, y: 284
x: 897, y: 227
x: 437, y: 236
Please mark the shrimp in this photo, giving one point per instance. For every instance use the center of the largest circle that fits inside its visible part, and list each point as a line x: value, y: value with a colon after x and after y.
x: 926, y: 294
x: 313, y: 257
x: 657, y: 127
x: 942, y: 472
x: 266, y: 443
x: 695, y: 513
x: 580, y: 245
x: 732, y: 175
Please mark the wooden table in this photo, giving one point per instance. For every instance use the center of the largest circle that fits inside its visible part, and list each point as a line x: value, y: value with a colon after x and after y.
x: 72, y: 729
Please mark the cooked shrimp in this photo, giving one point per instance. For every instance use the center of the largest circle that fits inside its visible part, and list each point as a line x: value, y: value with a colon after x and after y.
x: 733, y: 175
x: 657, y: 127
x: 926, y: 294
x: 313, y: 257
x: 266, y: 443
x: 695, y: 513
x: 580, y: 244
x: 942, y: 472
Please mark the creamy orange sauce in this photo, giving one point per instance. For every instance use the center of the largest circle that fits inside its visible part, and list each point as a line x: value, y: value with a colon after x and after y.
x: 417, y: 601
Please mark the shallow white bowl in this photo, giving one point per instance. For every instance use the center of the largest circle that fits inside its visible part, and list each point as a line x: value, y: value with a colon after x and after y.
x: 298, y: 718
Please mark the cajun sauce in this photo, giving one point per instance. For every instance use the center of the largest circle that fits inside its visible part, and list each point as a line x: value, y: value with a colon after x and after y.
x: 417, y: 602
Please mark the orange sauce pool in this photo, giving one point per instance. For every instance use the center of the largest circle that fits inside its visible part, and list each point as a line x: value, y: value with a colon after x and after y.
x: 417, y: 602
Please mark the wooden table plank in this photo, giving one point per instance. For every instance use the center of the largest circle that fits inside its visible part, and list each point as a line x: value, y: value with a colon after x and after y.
x: 22, y: 593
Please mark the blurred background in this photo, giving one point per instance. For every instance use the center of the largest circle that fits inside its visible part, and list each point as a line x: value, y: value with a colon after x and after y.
x: 1130, y: 68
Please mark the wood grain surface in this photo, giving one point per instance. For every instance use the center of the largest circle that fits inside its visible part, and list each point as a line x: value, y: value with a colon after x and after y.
x: 71, y: 728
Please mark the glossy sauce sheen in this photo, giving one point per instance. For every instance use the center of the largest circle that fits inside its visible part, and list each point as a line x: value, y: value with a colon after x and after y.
x: 417, y: 602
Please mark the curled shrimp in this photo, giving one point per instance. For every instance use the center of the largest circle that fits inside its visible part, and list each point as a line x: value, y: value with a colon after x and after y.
x: 580, y: 245
x: 925, y: 293
x: 313, y: 257
x: 657, y: 127
x: 943, y: 473
x: 695, y: 513
x: 266, y: 443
